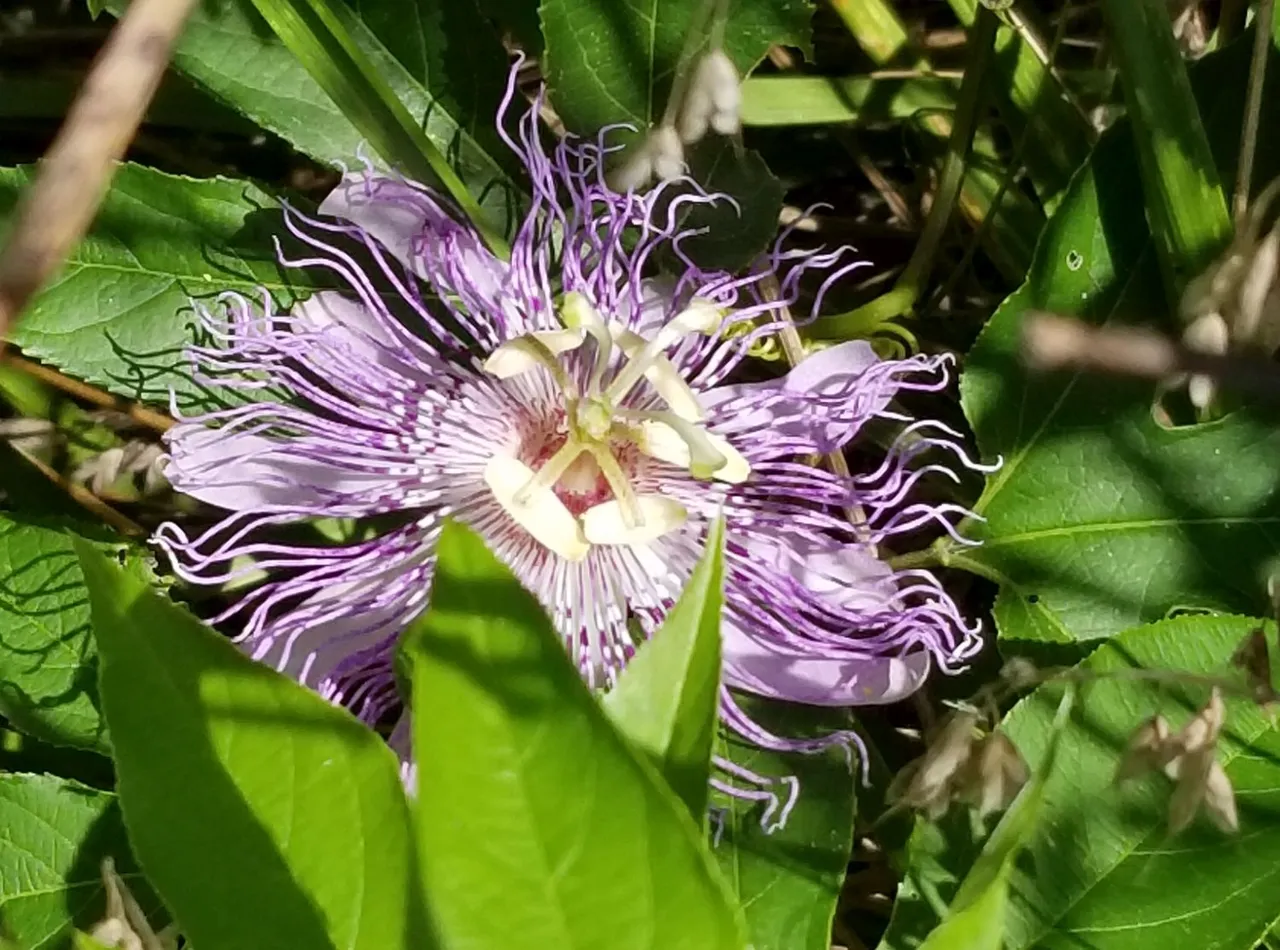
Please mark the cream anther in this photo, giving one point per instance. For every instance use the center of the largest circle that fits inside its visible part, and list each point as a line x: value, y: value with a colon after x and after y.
x: 663, y: 441
x: 663, y: 377
x: 596, y: 421
x: 580, y: 316
x: 701, y: 316
x: 532, y: 350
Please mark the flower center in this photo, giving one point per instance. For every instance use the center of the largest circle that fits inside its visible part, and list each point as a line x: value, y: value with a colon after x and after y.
x: 577, y: 491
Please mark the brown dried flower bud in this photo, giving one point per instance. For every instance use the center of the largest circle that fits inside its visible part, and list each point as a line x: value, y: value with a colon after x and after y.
x: 1254, y: 658
x: 1020, y: 673
x: 1201, y: 781
x: 1201, y: 731
x: 1200, y: 778
x: 1149, y: 748
x: 1220, y: 799
x: 660, y: 155
x: 928, y: 784
x: 1234, y: 305
x: 994, y: 775
x: 125, y: 926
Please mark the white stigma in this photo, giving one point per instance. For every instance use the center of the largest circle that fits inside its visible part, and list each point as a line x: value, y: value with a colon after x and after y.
x: 599, y: 424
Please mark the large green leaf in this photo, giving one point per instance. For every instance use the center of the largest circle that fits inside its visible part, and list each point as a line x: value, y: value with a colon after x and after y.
x: 788, y: 879
x: 613, y: 62
x: 47, y: 659
x: 537, y: 820
x: 230, y: 51
x: 264, y: 815
x: 731, y: 236
x: 467, y: 79
x: 1100, y: 518
x: 56, y: 834
x: 1101, y: 871
x: 120, y: 311
x: 668, y: 698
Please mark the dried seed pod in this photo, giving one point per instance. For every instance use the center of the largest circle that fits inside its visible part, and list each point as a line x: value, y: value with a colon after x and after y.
x: 1149, y: 748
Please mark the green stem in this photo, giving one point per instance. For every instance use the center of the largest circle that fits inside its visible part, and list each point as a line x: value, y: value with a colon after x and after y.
x: 906, y: 290
x: 1253, y: 108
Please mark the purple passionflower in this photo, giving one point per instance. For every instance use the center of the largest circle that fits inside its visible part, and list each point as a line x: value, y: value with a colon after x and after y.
x: 576, y: 413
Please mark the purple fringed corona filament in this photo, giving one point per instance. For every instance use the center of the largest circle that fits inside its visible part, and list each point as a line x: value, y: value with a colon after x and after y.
x: 576, y: 413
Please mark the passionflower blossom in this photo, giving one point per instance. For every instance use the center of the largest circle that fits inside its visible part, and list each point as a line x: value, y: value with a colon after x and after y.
x: 577, y: 413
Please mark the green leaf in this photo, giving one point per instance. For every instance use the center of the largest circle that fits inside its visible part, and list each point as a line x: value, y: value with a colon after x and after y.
x: 979, y: 925
x: 321, y: 34
x: 264, y: 815
x: 1100, y: 869
x: 538, y: 818
x: 227, y: 49
x: 667, y: 700
x: 733, y: 236
x: 47, y: 659
x: 1187, y: 210
x: 56, y: 834
x: 1100, y: 518
x: 793, y: 99
x: 120, y: 312
x: 788, y: 879
x: 1051, y: 132
x: 467, y: 80
x: 609, y: 62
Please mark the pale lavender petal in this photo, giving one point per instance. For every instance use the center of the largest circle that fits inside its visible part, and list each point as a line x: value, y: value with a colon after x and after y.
x: 240, y: 472
x: 822, y: 402
x: 819, y: 676
x: 347, y: 322
x: 422, y: 233
x: 848, y: 575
